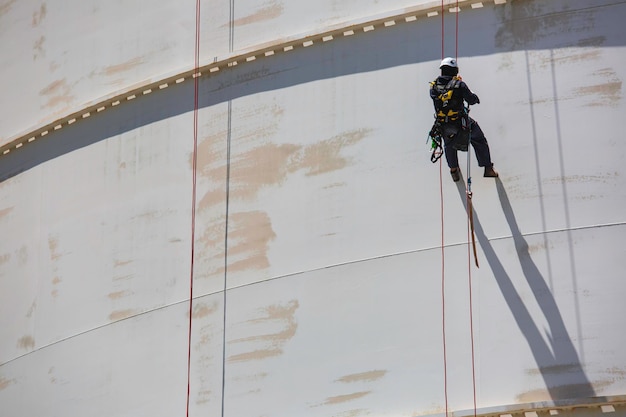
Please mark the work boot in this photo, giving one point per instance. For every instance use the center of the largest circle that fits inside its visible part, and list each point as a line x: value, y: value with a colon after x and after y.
x: 456, y: 174
x: 490, y: 172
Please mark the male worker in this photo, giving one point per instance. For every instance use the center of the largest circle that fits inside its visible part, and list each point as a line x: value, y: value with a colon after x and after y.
x: 449, y: 92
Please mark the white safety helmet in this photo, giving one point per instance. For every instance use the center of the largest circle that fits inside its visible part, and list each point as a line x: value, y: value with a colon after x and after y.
x: 448, y: 62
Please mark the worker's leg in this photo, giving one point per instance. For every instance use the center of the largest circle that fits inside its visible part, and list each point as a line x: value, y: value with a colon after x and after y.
x: 451, y: 155
x: 480, y: 145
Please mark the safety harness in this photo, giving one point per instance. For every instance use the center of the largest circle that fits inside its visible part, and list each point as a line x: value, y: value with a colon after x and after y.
x: 451, y: 119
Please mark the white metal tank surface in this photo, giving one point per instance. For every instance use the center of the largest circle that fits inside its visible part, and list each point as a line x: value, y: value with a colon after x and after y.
x: 230, y: 210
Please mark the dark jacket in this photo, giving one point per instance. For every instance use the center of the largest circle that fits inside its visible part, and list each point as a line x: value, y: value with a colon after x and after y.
x: 461, y: 93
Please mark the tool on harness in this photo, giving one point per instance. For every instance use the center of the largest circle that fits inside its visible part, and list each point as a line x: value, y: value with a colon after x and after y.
x: 452, y: 122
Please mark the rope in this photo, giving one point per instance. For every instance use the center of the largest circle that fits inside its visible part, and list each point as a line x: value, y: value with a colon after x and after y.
x: 443, y: 263
x: 193, y: 196
x: 470, y: 229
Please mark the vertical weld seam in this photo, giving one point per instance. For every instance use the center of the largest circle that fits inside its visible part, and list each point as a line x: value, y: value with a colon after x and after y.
x: 193, y: 197
x: 231, y: 35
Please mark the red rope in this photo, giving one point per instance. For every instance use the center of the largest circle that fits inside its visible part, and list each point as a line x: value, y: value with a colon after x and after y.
x: 193, y: 194
x: 456, y: 50
x: 442, y: 31
x: 471, y: 313
x: 443, y: 292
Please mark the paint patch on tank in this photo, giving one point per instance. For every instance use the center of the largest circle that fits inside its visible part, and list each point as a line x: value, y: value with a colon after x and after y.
x: 26, y: 342
x: 122, y: 67
x: 363, y: 376
x: 201, y: 309
x: 57, y: 92
x: 39, y: 15
x: 121, y: 314
x: 338, y: 399
x: 269, y: 11
x: 5, y: 383
x: 266, y: 345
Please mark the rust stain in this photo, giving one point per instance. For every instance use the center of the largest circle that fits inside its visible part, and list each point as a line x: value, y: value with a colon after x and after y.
x: 117, y: 263
x: 39, y: 15
x: 363, y: 376
x: 609, y: 93
x: 263, y: 166
x: 5, y: 383
x: 32, y: 309
x: 274, y: 342
x: 124, y: 66
x: 6, y: 6
x: 325, y: 156
x: 204, y: 396
x: 271, y: 10
x: 53, y: 88
x: 249, y: 240
x: 202, y: 310
x: 555, y: 369
x: 26, y: 342
x: 354, y: 413
x: 123, y: 277
x: 53, y: 245
x: 619, y: 372
x: 57, y: 92
x: 56, y: 280
x: 121, y: 314
x: 255, y: 355
x: 22, y: 255
x: 118, y: 294
x: 345, y: 398
x: 334, y: 185
x: 562, y: 392
x: 4, y: 258
x: 212, y: 198
x: 5, y: 211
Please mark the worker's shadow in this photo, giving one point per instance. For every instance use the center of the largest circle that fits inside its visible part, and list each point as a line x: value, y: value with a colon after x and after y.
x: 554, y: 352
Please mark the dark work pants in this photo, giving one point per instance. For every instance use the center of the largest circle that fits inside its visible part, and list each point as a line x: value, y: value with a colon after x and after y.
x: 479, y: 143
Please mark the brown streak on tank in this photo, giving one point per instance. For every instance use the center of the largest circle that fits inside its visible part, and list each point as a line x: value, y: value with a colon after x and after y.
x: 121, y: 314
x: 53, y: 245
x: 555, y: 369
x: 272, y: 10
x: 255, y: 355
x: 248, y: 238
x: 57, y: 92
x: 354, y: 413
x: 124, y: 66
x: 608, y: 94
x: 260, y: 167
x: 31, y: 310
x: 39, y: 15
x: 363, y: 376
x: 204, y: 396
x: 202, y: 310
x: 117, y: 263
x: 118, y: 294
x: 4, y: 8
x: 324, y: 156
x: 26, y: 342
x: 5, y: 212
x: 4, y: 383
x: 4, y: 258
x: 212, y: 198
x: 562, y: 392
x: 338, y: 399
x: 274, y: 341
x: 38, y: 50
